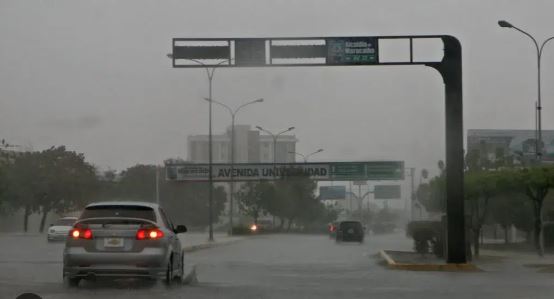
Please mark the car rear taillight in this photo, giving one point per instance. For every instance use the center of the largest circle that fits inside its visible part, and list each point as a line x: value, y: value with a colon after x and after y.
x: 149, y: 234
x: 81, y: 233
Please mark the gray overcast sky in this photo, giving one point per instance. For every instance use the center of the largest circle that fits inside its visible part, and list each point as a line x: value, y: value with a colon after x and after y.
x: 93, y: 75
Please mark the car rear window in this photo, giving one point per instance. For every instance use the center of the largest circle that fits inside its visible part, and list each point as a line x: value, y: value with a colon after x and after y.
x: 352, y: 224
x: 122, y: 211
x: 65, y: 222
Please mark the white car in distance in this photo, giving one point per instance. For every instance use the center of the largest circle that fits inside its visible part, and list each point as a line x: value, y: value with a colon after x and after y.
x: 59, y: 231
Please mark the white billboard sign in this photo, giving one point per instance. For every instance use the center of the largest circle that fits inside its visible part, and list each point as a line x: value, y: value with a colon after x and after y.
x: 245, y: 172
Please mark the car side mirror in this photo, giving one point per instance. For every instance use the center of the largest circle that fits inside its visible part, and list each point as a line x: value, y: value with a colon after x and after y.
x: 51, y: 224
x: 180, y: 229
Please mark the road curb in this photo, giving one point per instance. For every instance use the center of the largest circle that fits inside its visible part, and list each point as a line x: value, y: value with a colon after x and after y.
x: 197, y: 247
x: 392, y: 264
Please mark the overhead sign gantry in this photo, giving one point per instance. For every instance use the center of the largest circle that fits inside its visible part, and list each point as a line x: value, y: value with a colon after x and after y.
x: 353, y: 51
x: 330, y: 171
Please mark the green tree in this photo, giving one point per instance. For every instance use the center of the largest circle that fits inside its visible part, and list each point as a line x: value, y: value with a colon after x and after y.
x: 295, y: 199
x: 535, y: 183
x: 138, y: 183
x: 23, y: 184
x: 3, y: 189
x: 511, y: 208
x: 188, y: 203
x: 51, y: 180
x: 432, y: 195
x: 252, y: 198
x: 108, y: 186
x: 65, y: 181
x: 480, y: 187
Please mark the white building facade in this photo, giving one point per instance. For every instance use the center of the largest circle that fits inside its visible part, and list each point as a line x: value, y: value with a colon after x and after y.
x: 250, y: 147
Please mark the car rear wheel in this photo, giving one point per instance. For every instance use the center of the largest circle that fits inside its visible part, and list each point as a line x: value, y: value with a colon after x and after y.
x: 181, y: 276
x: 169, y: 272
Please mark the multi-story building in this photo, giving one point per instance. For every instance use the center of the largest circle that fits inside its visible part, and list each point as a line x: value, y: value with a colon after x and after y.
x: 510, y: 145
x: 250, y: 147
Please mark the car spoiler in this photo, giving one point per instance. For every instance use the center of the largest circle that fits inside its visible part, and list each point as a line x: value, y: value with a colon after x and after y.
x: 144, y: 221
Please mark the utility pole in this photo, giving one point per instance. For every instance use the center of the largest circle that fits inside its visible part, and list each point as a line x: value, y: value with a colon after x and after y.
x: 233, y: 113
x: 305, y: 157
x: 210, y: 71
x: 539, y: 143
x: 274, y: 137
x: 412, y: 194
x: 157, y: 184
x: 360, y: 202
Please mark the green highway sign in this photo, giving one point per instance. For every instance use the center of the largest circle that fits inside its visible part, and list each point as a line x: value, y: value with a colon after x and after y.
x: 387, y: 192
x: 347, y: 171
x: 369, y: 171
x: 332, y: 192
x: 352, y: 50
x: 393, y: 170
x: 330, y: 171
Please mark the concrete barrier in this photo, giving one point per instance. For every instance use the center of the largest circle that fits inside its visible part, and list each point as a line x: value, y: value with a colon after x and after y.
x: 392, y: 264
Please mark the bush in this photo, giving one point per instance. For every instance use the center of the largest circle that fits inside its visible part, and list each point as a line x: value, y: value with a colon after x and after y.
x: 241, y: 230
x: 427, y: 236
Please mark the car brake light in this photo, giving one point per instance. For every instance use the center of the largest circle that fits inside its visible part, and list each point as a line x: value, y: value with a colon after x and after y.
x: 141, y: 234
x: 87, y: 234
x: 150, y: 234
x: 77, y: 233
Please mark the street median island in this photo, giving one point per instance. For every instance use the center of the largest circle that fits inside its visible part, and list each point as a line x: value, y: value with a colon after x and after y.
x: 413, y: 261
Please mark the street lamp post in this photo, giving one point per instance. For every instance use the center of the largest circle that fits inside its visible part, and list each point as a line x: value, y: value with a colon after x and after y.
x: 412, y: 193
x: 539, y: 49
x: 210, y: 72
x: 274, y: 136
x: 233, y: 114
x: 305, y: 157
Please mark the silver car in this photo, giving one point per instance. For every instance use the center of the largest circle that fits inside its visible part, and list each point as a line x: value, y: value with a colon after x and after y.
x: 123, y: 239
x: 59, y: 230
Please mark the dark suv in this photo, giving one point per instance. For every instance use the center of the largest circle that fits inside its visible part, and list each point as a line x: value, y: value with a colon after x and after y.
x: 350, y: 231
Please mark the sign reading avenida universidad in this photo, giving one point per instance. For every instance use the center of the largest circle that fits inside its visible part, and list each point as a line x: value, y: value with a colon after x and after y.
x: 377, y: 170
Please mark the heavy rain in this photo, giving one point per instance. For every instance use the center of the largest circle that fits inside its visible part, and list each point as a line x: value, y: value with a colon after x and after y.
x: 276, y: 149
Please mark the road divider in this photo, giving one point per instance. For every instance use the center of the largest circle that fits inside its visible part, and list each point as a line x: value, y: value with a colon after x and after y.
x: 419, y: 266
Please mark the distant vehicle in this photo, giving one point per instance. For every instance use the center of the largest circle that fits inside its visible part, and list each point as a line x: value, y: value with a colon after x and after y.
x: 350, y: 231
x: 59, y: 230
x: 123, y: 239
x: 262, y: 225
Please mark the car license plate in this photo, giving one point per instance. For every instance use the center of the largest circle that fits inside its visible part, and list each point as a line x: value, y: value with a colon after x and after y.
x: 350, y: 231
x: 113, y: 242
